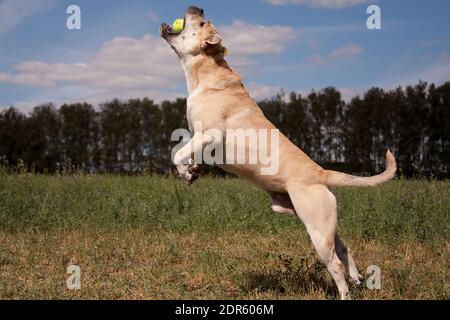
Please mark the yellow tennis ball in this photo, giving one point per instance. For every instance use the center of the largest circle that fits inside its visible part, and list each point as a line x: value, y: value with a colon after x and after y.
x: 178, y: 25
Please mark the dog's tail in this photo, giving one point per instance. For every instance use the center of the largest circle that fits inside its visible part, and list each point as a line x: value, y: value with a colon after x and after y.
x: 335, y: 178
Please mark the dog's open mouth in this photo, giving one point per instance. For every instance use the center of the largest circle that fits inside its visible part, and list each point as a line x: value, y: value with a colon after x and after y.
x: 167, y: 30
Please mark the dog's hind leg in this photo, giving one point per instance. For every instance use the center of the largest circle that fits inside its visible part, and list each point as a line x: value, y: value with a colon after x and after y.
x: 316, y: 207
x: 345, y: 255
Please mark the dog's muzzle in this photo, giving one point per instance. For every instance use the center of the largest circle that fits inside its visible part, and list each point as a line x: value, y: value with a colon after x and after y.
x: 195, y: 11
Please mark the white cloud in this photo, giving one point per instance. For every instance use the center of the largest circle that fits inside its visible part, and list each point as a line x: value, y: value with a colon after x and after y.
x: 4, y: 77
x: 13, y: 12
x: 126, y: 67
x: 244, y: 39
x: 431, y: 43
x: 436, y: 73
x: 341, y: 53
x: 123, y: 68
x: 313, y: 44
x: 241, y: 62
x: 317, y: 59
x: 347, y: 94
x: 121, y: 63
x: 99, y: 97
x: 325, y: 4
x: 444, y: 55
x: 25, y: 107
x: 95, y: 97
x: 260, y: 92
x: 346, y: 52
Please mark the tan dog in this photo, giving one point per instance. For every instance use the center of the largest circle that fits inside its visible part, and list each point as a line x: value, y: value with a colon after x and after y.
x: 218, y: 100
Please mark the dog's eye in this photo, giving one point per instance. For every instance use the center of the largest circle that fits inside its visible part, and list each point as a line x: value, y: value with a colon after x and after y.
x: 202, y: 24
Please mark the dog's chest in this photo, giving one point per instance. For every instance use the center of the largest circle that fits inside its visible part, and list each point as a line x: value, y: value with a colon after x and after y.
x: 192, y: 112
x: 200, y: 115
x: 206, y: 110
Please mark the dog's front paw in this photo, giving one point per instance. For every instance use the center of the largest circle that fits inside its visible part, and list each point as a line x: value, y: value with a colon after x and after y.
x: 189, y: 172
x: 356, y: 279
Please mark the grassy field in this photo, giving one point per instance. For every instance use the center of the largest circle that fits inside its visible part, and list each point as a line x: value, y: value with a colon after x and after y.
x: 154, y: 238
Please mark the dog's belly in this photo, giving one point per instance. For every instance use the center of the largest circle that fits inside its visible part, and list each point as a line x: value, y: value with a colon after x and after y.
x: 251, y: 173
x: 287, y: 164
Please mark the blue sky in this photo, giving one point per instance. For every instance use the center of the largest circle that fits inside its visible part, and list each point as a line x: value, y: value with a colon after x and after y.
x: 297, y: 45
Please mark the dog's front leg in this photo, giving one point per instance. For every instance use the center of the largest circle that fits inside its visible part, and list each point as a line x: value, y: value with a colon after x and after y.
x: 184, y: 159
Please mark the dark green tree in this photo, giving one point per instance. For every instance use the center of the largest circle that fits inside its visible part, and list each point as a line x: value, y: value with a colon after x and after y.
x: 78, y: 128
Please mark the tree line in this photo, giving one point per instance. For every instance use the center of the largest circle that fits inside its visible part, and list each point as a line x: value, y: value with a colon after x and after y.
x: 134, y: 136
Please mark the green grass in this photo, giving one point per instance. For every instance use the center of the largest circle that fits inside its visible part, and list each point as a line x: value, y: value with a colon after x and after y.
x: 152, y: 237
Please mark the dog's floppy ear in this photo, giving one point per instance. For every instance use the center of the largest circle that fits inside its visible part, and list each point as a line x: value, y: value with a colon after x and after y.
x: 213, y: 39
x: 213, y: 45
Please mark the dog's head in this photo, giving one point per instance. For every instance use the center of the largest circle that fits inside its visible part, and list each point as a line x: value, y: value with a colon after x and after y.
x: 198, y: 36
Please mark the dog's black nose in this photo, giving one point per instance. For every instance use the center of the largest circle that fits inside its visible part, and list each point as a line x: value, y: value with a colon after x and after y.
x: 195, y: 10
